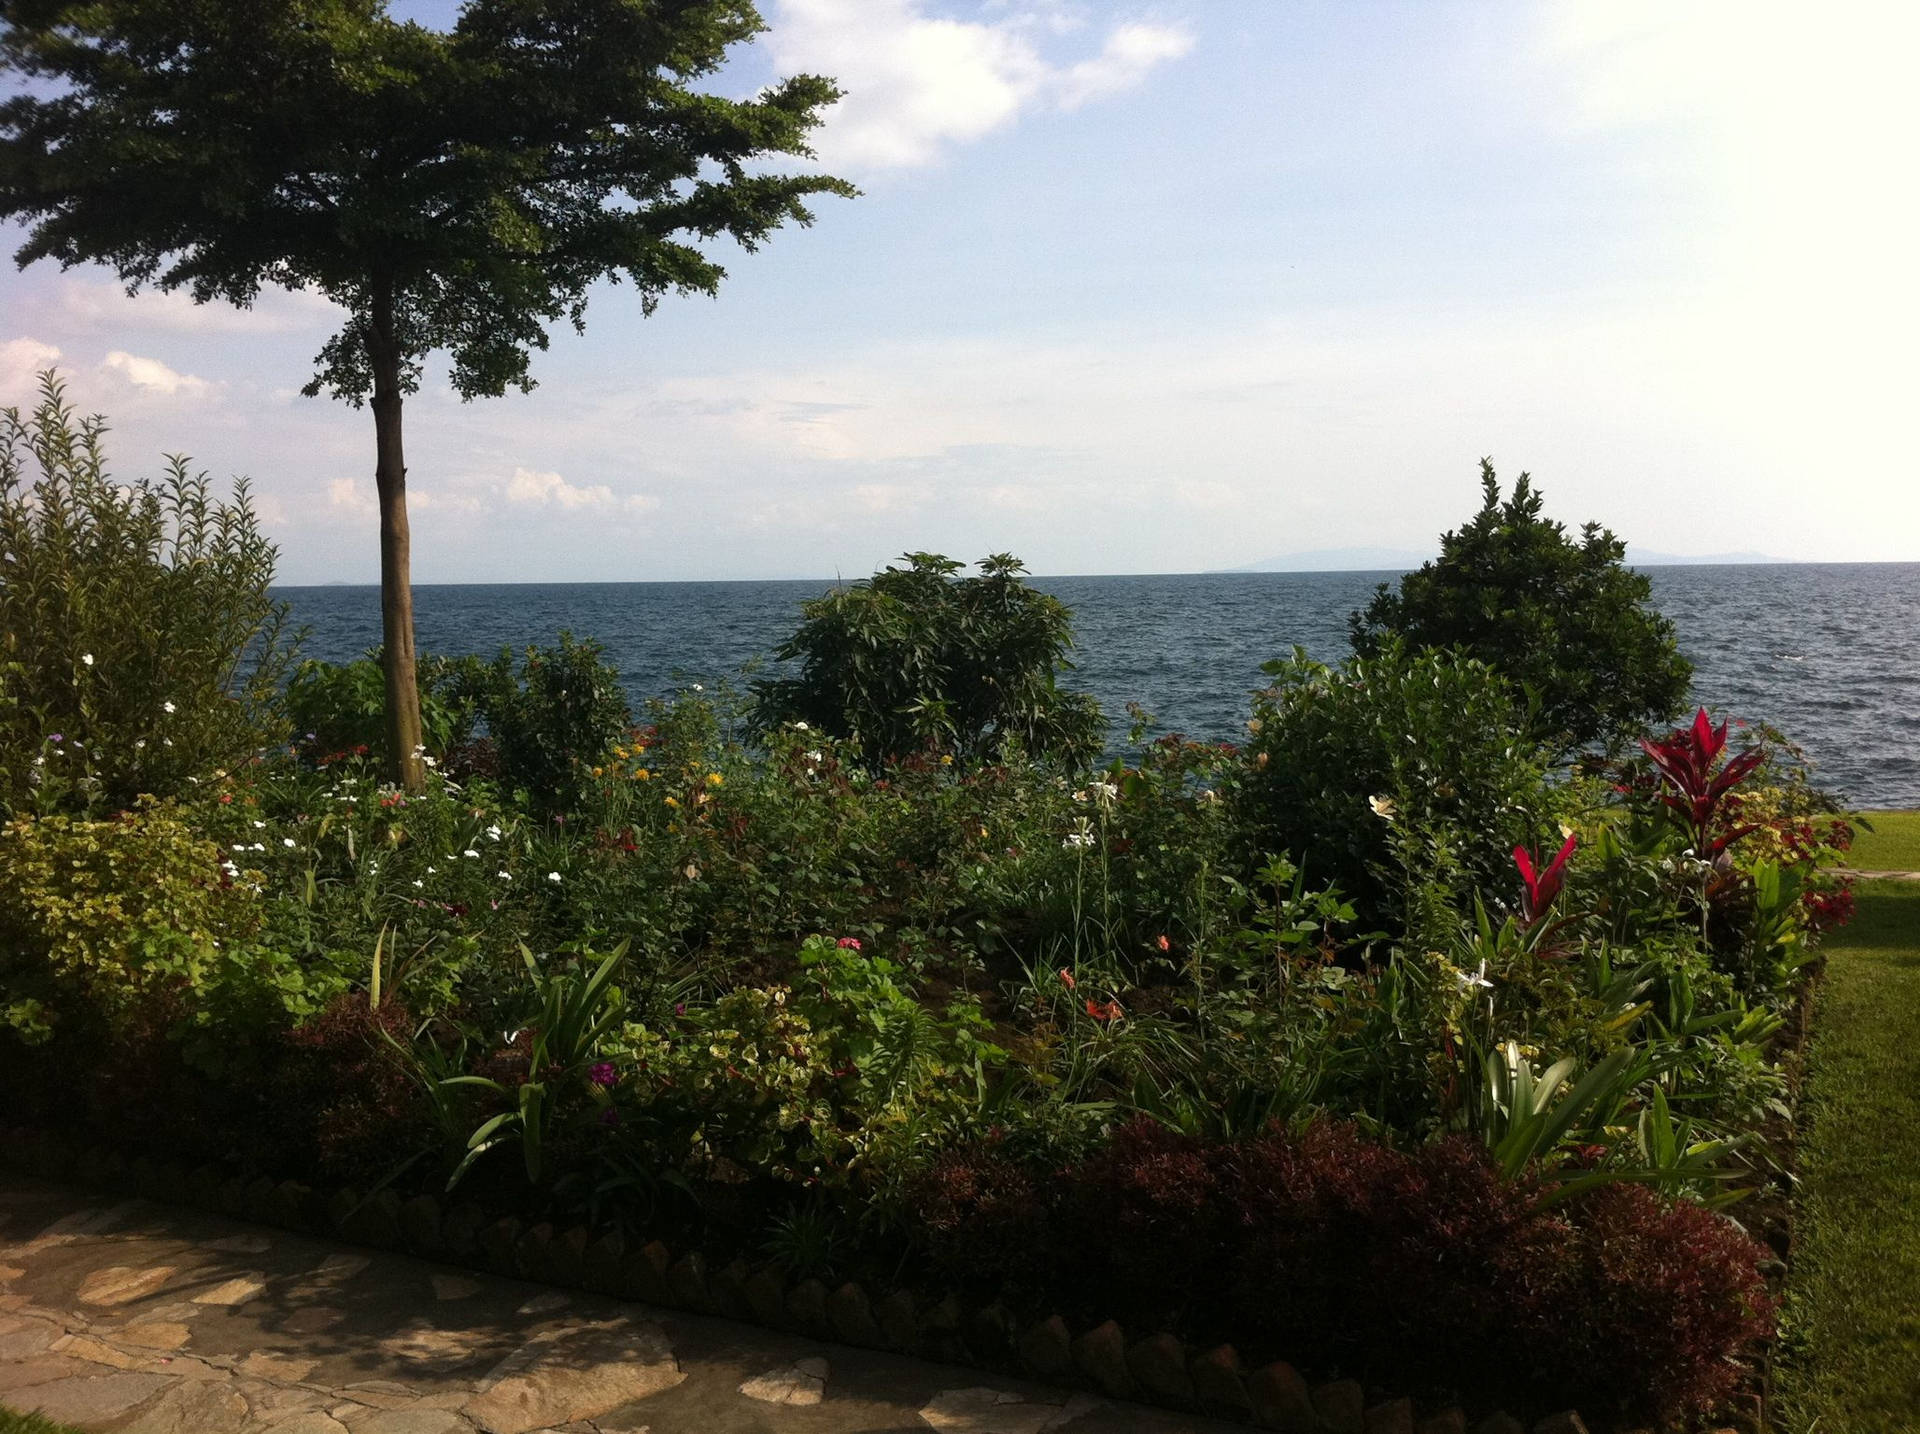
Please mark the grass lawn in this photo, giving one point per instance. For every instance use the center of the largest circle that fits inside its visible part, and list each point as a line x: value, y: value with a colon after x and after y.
x: 12, y: 1423
x: 1852, y: 1359
x: 1892, y: 845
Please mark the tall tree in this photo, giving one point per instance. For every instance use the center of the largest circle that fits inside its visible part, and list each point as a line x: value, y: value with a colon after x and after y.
x: 452, y: 190
x: 1564, y: 617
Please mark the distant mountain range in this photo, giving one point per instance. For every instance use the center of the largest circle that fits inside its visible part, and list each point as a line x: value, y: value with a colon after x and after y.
x: 1399, y: 560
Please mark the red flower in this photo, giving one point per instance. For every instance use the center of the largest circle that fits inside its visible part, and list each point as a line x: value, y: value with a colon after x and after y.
x: 1164, y: 944
x: 1104, y: 1011
x: 1066, y: 978
x: 1545, y: 886
x: 226, y: 798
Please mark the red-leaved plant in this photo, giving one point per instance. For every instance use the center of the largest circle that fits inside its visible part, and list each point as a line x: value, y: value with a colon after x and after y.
x: 1696, y: 793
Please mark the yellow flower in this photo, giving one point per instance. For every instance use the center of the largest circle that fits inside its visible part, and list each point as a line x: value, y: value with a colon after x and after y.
x: 673, y: 801
x: 598, y: 772
x: 946, y: 759
x: 643, y: 775
x: 714, y: 779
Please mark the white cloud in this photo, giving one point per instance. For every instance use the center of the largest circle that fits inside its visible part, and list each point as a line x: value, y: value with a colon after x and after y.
x: 102, y: 304
x: 351, y: 495
x: 1123, y: 62
x: 550, y: 490
x: 154, y: 376
x: 915, y: 82
x: 21, y: 363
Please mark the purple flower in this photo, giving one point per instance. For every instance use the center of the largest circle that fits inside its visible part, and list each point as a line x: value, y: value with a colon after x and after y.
x: 679, y: 1008
x: 609, y: 1116
x: 57, y: 737
x: 603, y: 1073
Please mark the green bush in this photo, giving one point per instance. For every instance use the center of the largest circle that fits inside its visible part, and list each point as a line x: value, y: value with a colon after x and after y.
x: 1566, y: 619
x: 342, y: 707
x: 139, y: 646
x: 1403, y: 757
x: 551, y: 721
x: 914, y: 659
x: 110, y: 922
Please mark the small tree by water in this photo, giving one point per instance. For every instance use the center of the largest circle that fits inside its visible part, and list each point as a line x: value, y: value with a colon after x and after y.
x: 455, y: 190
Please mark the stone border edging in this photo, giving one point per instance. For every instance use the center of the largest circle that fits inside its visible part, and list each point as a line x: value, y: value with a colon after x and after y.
x: 1157, y: 1369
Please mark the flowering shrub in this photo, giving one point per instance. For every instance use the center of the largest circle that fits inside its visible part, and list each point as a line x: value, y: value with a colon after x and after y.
x: 142, y: 646
x: 1418, y: 756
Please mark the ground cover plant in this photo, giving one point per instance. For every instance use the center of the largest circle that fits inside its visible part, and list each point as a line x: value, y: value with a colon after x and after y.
x: 1384, y: 1004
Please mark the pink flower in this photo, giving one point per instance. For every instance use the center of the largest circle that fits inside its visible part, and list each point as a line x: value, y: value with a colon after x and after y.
x: 603, y: 1074
x: 849, y: 943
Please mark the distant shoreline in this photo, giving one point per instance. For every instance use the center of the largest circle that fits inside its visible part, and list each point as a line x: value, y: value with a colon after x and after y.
x: 337, y: 583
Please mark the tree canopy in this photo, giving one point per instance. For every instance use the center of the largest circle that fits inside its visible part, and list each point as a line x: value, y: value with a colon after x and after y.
x: 1565, y: 618
x: 453, y: 190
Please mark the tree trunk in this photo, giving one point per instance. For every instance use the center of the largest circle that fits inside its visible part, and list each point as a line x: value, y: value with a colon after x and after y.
x: 404, y: 743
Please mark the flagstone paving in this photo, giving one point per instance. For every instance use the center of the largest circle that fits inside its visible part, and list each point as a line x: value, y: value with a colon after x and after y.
x: 143, y: 1319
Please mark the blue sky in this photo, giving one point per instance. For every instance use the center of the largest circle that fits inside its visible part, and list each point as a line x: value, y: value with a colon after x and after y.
x: 1165, y: 288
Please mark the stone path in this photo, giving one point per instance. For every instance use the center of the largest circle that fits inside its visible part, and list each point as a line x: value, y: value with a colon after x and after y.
x: 147, y: 1319
x: 1876, y: 875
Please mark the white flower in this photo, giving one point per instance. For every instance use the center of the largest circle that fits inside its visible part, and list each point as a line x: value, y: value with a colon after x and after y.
x: 430, y: 871
x: 813, y: 757
x: 698, y: 688
x: 801, y: 727
x: 140, y: 745
x: 553, y: 876
x: 469, y: 852
x: 166, y: 707
x: 286, y: 841
x: 1080, y: 836
x: 506, y: 876
x: 259, y: 826
x: 494, y: 831
x: 87, y: 657
x: 1477, y: 978
x: 418, y: 882
x: 259, y: 846
x: 239, y: 846
x: 1382, y: 807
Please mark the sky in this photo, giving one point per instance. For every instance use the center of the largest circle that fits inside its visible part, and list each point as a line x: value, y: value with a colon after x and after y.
x: 1164, y: 288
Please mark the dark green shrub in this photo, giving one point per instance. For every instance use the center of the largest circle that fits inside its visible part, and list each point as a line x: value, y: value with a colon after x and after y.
x: 552, y: 719
x: 139, y: 646
x: 916, y: 658
x: 1427, y: 752
x: 1565, y: 618
x: 342, y: 707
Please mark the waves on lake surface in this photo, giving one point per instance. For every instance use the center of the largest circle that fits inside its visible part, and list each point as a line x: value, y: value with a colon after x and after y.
x: 1829, y: 653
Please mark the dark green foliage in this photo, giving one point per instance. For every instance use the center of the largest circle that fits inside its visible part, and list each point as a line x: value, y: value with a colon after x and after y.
x: 340, y: 707
x: 139, y: 645
x: 551, y: 721
x: 1428, y: 752
x: 460, y: 189
x: 916, y: 659
x: 1565, y: 618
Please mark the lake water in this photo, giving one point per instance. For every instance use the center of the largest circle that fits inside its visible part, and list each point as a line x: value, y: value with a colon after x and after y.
x: 1830, y: 653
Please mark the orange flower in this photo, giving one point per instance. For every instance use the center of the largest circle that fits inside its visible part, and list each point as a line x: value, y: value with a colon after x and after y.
x: 1104, y: 1011
x: 1164, y: 944
x: 1066, y: 978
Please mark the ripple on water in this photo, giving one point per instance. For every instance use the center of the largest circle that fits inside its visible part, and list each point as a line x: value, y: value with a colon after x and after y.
x: 1829, y: 653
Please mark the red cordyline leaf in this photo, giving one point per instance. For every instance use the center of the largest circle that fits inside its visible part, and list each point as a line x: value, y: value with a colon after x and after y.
x: 1544, y: 886
x: 1685, y: 761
